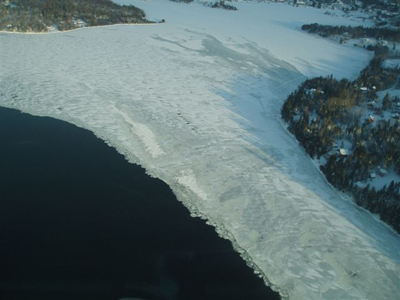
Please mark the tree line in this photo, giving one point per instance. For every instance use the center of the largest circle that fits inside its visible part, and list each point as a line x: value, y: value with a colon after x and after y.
x: 40, y: 15
x: 218, y: 4
x: 388, y: 34
x: 224, y: 5
x: 326, y: 114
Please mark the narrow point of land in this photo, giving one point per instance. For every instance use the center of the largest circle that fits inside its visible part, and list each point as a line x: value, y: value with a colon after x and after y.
x: 62, y: 15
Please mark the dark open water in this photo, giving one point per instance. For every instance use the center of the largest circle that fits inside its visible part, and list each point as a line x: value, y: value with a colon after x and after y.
x: 77, y: 221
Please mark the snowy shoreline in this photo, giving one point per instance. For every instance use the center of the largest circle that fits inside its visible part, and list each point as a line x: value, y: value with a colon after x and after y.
x: 71, y: 30
x: 211, y: 108
x: 345, y: 196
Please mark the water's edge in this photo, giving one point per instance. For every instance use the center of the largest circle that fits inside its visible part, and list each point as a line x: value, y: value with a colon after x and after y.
x: 182, y: 194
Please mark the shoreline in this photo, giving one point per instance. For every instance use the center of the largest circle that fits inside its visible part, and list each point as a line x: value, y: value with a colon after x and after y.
x: 181, y: 196
x: 215, y: 249
x: 86, y: 27
x: 345, y: 196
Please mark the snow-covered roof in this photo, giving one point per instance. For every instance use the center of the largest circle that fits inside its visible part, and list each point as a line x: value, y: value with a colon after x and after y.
x: 382, y: 172
x: 361, y: 185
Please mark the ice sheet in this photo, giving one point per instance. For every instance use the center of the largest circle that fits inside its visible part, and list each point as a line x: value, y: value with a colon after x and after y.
x: 196, y: 101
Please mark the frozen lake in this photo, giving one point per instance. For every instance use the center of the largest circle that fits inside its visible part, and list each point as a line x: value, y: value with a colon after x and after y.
x: 196, y: 101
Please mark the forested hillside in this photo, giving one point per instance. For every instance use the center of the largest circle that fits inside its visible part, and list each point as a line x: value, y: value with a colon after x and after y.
x: 354, y: 132
x: 389, y: 34
x: 43, y: 15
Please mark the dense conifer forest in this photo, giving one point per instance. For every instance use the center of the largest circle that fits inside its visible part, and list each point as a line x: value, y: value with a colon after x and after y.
x: 224, y: 5
x: 388, y: 34
x: 218, y: 4
x: 354, y: 134
x: 184, y: 1
x: 41, y: 15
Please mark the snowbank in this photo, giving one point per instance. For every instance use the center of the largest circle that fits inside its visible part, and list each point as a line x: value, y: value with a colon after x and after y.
x: 391, y: 63
x: 196, y: 101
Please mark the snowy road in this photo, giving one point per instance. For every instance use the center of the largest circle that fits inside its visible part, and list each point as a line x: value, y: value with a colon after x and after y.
x: 196, y: 101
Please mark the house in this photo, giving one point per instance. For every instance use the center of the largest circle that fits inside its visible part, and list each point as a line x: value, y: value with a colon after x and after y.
x: 372, y: 175
x: 80, y: 23
x: 360, y: 185
x: 364, y: 42
x: 396, y: 116
x: 371, y: 119
x: 382, y: 172
x: 371, y: 104
x: 363, y: 89
x: 342, y: 152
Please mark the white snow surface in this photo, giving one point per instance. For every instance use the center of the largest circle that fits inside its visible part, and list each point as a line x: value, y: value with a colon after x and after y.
x: 196, y: 101
x: 391, y: 63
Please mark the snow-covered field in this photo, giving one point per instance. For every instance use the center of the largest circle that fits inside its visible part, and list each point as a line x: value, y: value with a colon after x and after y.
x: 196, y: 101
x: 391, y: 63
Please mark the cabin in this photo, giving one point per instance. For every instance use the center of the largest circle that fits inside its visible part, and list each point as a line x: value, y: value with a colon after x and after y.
x: 360, y: 185
x: 364, y: 43
x: 342, y: 152
x: 371, y: 104
x: 382, y: 172
x: 371, y: 119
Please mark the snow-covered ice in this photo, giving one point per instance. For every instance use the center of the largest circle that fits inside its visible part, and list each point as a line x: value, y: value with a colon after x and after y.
x: 196, y: 101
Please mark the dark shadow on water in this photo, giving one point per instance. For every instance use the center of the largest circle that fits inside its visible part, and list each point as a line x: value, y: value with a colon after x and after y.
x: 79, y: 222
